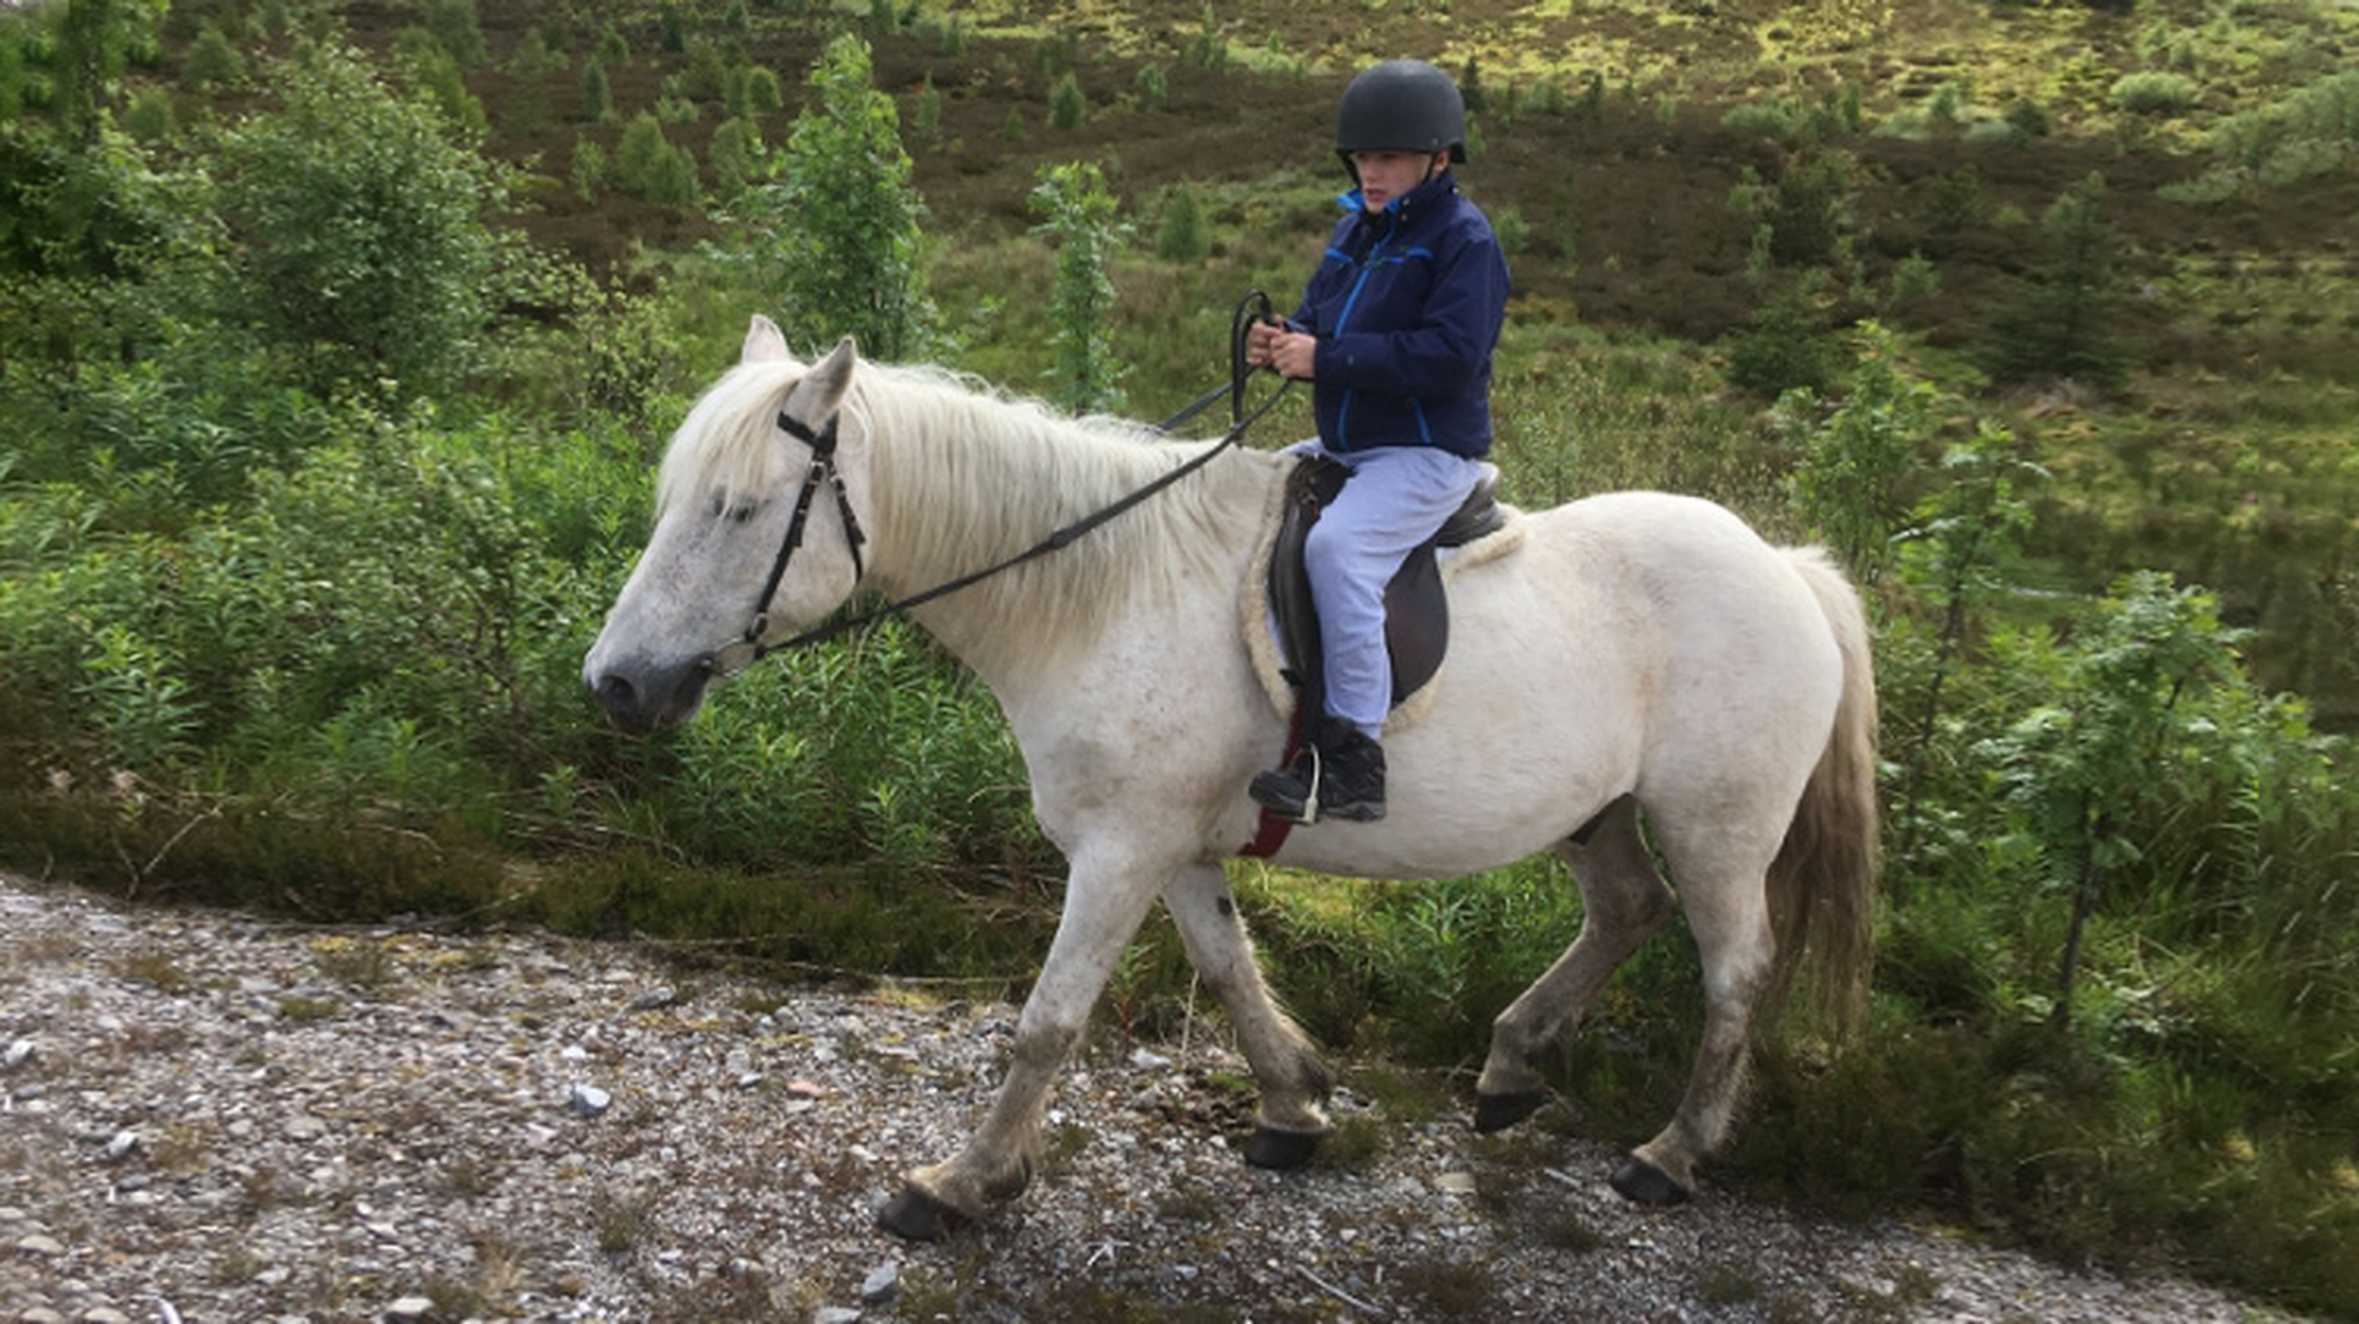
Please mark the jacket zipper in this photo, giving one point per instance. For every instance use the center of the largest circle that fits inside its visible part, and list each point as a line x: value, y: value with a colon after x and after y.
x: 1367, y: 269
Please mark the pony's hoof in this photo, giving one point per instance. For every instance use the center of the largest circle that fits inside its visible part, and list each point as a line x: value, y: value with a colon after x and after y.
x: 1280, y: 1150
x: 917, y: 1216
x: 1497, y: 1112
x: 1641, y: 1182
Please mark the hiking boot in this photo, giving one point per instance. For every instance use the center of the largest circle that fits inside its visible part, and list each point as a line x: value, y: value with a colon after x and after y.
x: 1338, y: 774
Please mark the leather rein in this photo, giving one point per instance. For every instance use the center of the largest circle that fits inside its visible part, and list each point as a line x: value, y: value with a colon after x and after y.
x: 1255, y: 306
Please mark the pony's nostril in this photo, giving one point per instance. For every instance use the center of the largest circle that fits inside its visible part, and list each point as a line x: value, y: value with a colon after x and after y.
x: 704, y: 665
x: 616, y: 692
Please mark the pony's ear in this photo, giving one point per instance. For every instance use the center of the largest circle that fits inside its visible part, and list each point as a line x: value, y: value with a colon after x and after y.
x: 822, y: 389
x: 764, y: 342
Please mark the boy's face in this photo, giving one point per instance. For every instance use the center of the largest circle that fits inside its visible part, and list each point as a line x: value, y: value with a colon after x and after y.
x: 1387, y: 175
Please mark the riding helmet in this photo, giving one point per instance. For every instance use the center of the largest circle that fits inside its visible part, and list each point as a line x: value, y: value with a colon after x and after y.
x: 1401, y: 106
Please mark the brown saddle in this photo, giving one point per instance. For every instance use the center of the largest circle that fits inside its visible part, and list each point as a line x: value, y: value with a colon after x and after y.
x: 1416, y: 614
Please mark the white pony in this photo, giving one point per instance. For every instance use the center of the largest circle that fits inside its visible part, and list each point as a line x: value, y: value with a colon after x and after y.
x: 1638, y: 652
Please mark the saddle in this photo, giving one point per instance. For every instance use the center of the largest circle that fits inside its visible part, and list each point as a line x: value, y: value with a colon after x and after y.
x: 1416, y: 614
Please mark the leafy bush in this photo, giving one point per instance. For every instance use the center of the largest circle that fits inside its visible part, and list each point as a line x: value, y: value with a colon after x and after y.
x: 1811, y: 209
x: 650, y: 165
x: 597, y: 93
x: 837, y: 236
x: 2061, y: 322
x: 150, y: 117
x: 212, y: 61
x: 1153, y: 91
x: 588, y: 170
x: 736, y: 156
x: 364, y: 249
x: 1786, y: 343
x: 1853, y: 460
x: 1066, y: 105
x: 455, y: 25
x: 2153, y: 93
x: 1081, y: 215
x: 1183, y: 236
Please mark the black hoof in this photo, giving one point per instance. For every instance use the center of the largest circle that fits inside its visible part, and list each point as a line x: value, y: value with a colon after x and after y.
x: 1280, y: 1150
x: 1641, y: 1182
x: 917, y: 1216
x: 1497, y: 1112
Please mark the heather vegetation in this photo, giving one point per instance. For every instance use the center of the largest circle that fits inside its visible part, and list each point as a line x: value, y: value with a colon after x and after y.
x: 335, y: 349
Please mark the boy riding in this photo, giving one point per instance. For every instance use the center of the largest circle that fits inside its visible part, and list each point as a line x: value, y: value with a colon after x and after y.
x: 1395, y: 333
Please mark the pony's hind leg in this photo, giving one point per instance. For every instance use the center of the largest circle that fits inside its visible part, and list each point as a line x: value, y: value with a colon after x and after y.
x: 1106, y: 895
x: 1720, y: 869
x: 1623, y: 903
x: 1294, y: 1082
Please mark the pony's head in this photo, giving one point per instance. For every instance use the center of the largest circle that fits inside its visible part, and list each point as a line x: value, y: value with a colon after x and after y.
x: 724, y: 502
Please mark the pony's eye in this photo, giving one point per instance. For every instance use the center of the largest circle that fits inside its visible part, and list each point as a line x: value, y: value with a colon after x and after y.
x: 742, y: 513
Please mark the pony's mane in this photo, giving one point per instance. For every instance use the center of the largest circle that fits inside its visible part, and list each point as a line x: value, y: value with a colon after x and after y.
x: 964, y: 475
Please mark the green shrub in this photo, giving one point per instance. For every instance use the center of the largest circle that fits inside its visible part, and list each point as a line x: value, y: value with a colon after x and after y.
x: 212, y: 60
x: 1152, y: 90
x: 735, y: 156
x: 1512, y: 230
x: 597, y: 94
x: 837, y: 236
x: 1786, y: 343
x: 1810, y: 210
x: 1183, y: 235
x: 762, y: 96
x: 707, y: 76
x: 589, y: 168
x: 366, y: 250
x: 455, y: 25
x: 2061, y: 321
x: 1066, y: 105
x: 1848, y: 480
x: 2153, y: 93
x: 1080, y: 215
x: 928, y: 117
x: 650, y: 165
x: 612, y: 48
x: 150, y: 118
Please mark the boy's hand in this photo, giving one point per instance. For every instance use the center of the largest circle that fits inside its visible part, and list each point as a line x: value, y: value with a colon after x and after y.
x: 1291, y: 353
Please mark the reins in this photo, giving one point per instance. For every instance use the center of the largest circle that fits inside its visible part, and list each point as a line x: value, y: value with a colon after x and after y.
x: 1255, y: 306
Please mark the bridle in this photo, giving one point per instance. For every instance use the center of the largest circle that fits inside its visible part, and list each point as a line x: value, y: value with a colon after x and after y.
x: 822, y: 469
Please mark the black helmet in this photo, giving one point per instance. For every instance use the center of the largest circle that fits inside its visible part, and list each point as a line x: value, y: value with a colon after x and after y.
x: 1401, y: 106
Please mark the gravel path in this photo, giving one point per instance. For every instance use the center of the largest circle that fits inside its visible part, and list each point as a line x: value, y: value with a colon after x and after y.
x: 205, y: 1116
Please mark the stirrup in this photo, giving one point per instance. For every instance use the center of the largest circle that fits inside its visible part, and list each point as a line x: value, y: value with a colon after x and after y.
x: 1283, y: 793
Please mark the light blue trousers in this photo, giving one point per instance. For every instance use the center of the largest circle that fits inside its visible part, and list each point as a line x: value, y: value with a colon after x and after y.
x: 1397, y: 497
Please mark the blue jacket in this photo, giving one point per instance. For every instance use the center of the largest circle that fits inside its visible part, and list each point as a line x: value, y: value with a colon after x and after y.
x: 1407, y: 306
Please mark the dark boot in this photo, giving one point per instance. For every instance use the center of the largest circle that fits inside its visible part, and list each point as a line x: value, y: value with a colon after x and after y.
x: 1339, y: 773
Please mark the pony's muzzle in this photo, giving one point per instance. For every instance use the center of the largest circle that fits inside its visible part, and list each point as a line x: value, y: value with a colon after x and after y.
x: 644, y: 699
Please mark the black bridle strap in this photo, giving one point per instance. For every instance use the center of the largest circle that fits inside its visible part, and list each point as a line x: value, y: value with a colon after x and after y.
x: 1254, y: 307
x: 1053, y: 542
x: 822, y: 444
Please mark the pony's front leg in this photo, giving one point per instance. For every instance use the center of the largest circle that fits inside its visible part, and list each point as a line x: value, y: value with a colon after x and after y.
x: 1294, y: 1082
x: 1104, y: 902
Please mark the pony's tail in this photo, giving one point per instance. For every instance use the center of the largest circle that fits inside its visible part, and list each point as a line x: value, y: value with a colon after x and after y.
x: 1822, y: 886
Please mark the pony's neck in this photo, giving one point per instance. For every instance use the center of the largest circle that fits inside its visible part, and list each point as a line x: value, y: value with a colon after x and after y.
x: 962, y: 480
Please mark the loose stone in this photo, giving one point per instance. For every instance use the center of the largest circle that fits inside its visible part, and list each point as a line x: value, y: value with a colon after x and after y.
x: 881, y: 1283
x: 588, y: 1100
